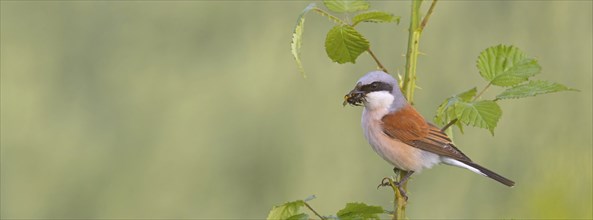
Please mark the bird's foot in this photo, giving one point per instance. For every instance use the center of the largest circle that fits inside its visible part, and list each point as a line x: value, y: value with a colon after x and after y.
x: 387, y: 182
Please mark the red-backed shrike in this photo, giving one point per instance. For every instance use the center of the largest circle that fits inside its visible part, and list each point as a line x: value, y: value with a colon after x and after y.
x: 400, y: 135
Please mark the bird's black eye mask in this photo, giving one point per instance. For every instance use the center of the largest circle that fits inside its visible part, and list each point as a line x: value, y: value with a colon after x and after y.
x: 356, y: 97
x: 376, y: 86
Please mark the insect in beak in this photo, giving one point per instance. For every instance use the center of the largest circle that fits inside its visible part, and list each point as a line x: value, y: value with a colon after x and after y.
x: 355, y: 98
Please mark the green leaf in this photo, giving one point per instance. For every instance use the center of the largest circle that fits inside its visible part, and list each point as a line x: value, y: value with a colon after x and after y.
x: 467, y: 95
x: 329, y: 16
x: 533, y: 88
x: 289, y: 210
x: 374, y: 16
x: 297, y: 36
x: 506, y: 65
x: 342, y: 6
x: 483, y: 114
x: 360, y: 211
x: 344, y: 44
x: 301, y: 216
x: 518, y: 73
x: 446, y: 111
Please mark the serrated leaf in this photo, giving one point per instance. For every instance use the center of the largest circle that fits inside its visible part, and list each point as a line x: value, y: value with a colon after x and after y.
x: 482, y: 114
x: 359, y: 211
x: 329, y: 16
x: 289, y: 210
x: 344, y: 44
x: 506, y: 65
x: 533, y: 88
x: 518, y: 73
x: 297, y: 36
x: 446, y: 111
x: 342, y: 6
x: 374, y: 16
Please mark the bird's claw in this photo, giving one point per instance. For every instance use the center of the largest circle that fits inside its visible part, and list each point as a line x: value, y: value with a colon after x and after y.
x: 386, y: 182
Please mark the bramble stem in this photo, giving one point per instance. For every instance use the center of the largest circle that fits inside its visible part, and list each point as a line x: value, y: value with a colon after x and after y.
x: 400, y: 200
x: 409, y: 84
x: 377, y: 60
x: 313, y: 210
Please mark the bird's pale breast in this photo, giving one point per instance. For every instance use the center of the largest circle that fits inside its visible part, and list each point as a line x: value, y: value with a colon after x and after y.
x: 397, y: 153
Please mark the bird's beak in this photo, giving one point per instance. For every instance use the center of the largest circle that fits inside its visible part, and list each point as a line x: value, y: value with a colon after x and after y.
x: 354, y: 97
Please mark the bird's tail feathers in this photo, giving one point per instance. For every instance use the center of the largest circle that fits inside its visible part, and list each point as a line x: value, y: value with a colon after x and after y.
x: 491, y: 174
x: 479, y: 170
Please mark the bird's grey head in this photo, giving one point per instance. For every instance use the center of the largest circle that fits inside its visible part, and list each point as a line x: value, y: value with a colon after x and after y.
x: 377, y: 77
x: 376, y: 89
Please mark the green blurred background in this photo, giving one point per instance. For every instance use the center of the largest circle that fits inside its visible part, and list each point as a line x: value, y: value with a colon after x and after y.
x: 195, y: 109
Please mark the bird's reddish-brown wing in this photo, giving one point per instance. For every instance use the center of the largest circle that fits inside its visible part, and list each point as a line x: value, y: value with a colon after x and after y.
x: 408, y: 126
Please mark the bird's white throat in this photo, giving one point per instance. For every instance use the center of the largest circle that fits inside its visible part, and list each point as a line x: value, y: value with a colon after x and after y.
x: 378, y: 100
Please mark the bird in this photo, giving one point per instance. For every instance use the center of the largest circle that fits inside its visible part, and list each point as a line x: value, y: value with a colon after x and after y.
x: 400, y: 135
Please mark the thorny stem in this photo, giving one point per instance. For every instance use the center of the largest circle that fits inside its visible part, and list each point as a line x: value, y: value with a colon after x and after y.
x: 399, y: 201
x: 313, y: 210
x: 377, y: 60
x: 409, y: 84
x: 416, y: 28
